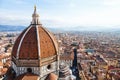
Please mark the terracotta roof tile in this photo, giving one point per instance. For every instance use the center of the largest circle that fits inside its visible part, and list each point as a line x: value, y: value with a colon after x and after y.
x: 28, y: 76
x: 52, y: 76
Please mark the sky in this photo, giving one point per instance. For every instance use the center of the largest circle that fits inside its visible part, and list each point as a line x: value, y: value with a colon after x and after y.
x: 62, y: 13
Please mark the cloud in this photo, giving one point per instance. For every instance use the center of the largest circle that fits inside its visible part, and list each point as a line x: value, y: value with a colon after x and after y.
x: 63, y: 12
x: 111, y: 2
x: 19, y: 1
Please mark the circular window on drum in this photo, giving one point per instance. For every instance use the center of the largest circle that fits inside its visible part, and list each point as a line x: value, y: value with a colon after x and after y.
x: 49, y: 67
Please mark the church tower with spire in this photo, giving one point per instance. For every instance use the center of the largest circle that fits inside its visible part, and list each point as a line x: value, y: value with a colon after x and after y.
x: 35, y: 51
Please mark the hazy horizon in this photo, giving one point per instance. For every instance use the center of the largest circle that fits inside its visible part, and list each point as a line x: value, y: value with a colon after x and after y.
x: 90, y: 14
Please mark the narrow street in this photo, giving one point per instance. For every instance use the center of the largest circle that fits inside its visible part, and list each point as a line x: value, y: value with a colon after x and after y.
x: 75, y: 67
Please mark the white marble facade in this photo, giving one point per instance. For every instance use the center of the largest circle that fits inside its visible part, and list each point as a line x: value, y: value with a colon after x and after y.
x: 41, y: 71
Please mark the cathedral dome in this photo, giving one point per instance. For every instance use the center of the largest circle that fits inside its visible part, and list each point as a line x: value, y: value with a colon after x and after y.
x: 34, y: 43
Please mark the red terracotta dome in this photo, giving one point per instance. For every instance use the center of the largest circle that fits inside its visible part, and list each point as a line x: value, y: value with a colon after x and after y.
x: 35, y: 42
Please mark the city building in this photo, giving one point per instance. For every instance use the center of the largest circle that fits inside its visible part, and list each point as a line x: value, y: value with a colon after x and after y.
x: 67, y: 58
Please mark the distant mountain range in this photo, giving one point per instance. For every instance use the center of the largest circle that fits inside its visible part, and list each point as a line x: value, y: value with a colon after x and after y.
x: 11, y: 28
x: 59, y: 29
x: 4, y: 28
